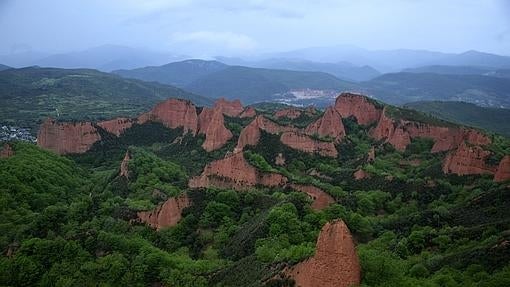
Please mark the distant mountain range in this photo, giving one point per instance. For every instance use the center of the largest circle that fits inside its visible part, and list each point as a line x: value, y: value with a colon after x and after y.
x: 492, y: 119
x: 4, y: 67
x: 28, y: 95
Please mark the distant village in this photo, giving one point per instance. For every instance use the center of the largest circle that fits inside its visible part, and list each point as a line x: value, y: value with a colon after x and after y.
x: 14, y: 133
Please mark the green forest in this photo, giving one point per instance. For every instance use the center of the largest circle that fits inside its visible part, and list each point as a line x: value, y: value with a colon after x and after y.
x: 71, y: 220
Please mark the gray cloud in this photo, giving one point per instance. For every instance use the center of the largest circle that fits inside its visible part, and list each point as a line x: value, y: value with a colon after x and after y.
x: 233, y: 28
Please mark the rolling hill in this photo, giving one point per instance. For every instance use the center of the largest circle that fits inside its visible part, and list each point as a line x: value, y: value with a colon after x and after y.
x: 178, y: 74
x: 4, y: 67
x: 29, y: 94
x: 256, y: 85
x: 401, y: 88
x: 492, y: 119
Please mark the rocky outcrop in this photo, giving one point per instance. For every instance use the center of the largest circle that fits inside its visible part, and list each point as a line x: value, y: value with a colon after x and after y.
x: 335, y: 263
x: 124, y: 165
x: 250, y: 135
x: 280, y: 159
x: 361, y: 174
x: 249, y: 112
x: 503, y: 170
x: 303, y: 142
x: 320, y: 198
x: 167, y: 214
x: 371, y: 155
x: 230, y: 108
x: 291, y: 113
x: 173, y: 113
x: 117, y: 126
x: 467, y: 160
x: 211, y: 123
x: 329, y: 125
x: 399, y: 133
x: 235, y: 172
x: 357, y: 106
x: 7, y: 151
x: 67, y: 138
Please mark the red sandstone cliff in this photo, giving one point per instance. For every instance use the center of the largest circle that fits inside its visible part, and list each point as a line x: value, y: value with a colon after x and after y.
x: 167, y: 214
x: 230, y: 108
x: 359, y: 107
x: 235, y: 172
x: 173, y: 113
x: 291, y: 113
x: 400, y: 132
x: 250, y: 135
x: 212, y: 124
x: 307, y: 144
x: 7, y: 151
x: 320, y: 198
x: 467, y: 160
x: 329, y: 125
x: 67, y: 138
x: 335, y: 263
x: 117, y: 126
x: 249, y: 112
x: 503, y: 170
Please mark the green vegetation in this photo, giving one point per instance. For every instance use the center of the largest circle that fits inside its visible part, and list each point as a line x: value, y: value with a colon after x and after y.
x: 29, y: 95
x: 492, y: 119
x: 70, y: 221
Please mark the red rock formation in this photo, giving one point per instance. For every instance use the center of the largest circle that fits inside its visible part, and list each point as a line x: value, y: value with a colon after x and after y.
x: 124, y: 166
x: 291, y: 113
x: 359, y: 107
x: 211, y: 123
x: 167, y: 214
x: 117, y: 126
x: 235, y: 172
x: 467, y: 160
x: 230, y: 108
x: 320, y: 198
x: 503, y: 170
x: 250, y: 135
x: 173, y: 113
x: 335, y: 263
x: 305, y: 143
x: 400, y: 132
x: 280, y: 159
x: 7, y: 151
x: 329, y: 125
x: 249, y: 112
x: 67, y: 138
x: 361, y: 174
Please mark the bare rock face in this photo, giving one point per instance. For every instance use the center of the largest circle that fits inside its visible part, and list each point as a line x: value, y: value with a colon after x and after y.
x: 305, y: 143
x: 67, y: 138
x: 291, y: 113
x: 173, y: 113
x: 250, y: 135
x: 249, y: 112
x: 280, y: 159
x: 7, y: 151
x: 167, y: 214
x: 400, y: 132
x: 212, y: 123
x: 335, y: 263
x: 467, y: 160
x: 235, y: 172
x: 503, y: 170
x: 361, y: 174
x: 358, y: 106
x: 230, y: 108
x: 329, y: 125
x: 320, y: 198
x: 117, y: 126
x: 124, y: 166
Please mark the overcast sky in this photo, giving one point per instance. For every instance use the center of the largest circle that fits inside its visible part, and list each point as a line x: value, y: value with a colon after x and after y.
x: 236, y: 27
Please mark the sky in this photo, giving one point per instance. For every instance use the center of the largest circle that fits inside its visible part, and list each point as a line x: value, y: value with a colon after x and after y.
x: 239, y: 28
